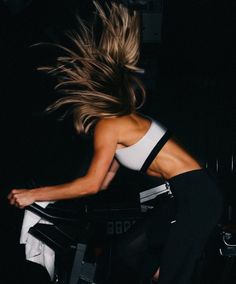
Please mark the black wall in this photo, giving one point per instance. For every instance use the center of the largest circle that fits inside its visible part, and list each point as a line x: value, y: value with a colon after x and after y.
x: 189, y: 78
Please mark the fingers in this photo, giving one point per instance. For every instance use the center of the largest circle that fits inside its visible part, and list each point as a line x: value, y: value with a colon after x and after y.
x: 14, y: 192
x: 9, y: 196
x: 21, y: 197
x: 12, y: 196
x: 15, y: 197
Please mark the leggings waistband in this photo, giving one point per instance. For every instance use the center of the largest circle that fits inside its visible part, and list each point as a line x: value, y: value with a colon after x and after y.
x: 187, y: 174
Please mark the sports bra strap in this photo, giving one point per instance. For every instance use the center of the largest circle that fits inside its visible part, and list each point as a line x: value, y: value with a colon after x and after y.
x: 155, y: 151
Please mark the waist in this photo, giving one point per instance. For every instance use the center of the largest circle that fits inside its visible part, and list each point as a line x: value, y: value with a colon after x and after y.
x: 197, y: 180
x: 189, y: 174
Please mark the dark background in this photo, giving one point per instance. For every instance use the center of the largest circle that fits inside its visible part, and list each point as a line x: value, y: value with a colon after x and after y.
x: 190, y: 80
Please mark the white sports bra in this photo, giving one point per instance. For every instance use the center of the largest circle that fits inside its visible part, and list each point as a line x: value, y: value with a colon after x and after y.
x: 140, y: 155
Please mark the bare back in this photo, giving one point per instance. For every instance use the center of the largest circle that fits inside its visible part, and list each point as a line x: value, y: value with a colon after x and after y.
x: 172, y: 159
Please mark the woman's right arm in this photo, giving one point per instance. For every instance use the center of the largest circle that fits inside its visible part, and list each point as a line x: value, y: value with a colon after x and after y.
x: 105, y: 143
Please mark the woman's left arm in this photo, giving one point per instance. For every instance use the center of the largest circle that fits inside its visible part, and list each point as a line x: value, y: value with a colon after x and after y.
x: 105, y: 143
x: 110, y: 174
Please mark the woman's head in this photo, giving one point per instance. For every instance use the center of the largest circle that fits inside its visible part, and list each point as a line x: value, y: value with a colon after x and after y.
x: 98, y: 78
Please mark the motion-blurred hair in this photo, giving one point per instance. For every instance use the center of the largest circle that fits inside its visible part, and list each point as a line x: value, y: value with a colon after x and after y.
x: 98, y: 78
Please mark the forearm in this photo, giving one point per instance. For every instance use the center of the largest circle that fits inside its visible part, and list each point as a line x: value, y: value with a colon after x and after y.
x: 78, y: 188
x: 110, y: 174
x: 108, y: 179
x: 74, y: 189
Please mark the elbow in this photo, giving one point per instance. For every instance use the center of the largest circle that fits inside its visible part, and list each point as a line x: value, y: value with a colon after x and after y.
x: 82, y: 187
x: 91, y: 185
x: 94, y: 189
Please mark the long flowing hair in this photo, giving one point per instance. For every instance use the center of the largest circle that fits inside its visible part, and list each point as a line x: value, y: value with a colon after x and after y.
x: 98, y: 78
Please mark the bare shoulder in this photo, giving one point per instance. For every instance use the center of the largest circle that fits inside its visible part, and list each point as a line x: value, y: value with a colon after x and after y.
x: 122, y: 128
x: 107, y: 124
x: 107, y: 132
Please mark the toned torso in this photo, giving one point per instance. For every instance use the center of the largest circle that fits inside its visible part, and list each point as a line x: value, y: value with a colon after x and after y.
x: 172, y: 160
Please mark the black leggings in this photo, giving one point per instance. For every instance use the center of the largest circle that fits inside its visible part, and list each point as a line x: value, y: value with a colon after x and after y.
x: 159, y: 241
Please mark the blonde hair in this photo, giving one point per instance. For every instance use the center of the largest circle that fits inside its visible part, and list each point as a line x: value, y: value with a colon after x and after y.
x: 99, y: 78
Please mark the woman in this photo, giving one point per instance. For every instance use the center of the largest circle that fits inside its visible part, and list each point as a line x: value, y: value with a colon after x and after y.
x: 100, y: 86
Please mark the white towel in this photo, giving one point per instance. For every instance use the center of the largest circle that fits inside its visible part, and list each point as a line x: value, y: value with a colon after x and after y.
x: 35, y: 250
